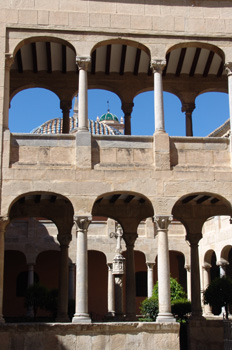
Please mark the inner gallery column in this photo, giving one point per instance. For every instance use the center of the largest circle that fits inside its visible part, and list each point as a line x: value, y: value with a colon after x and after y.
x: 3, y: 224
x: 83, y: 63
x: 158, y: 66
x: 162, y: 222
x: 81, y: 313
x: 150, y: 279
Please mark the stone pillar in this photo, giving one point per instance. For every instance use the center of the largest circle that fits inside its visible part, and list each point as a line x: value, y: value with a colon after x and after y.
x: 111, y: 297
x: 188, y: 270
x: 127, y: 108
x: 83, y: 63
x: 62, y: 312
x: 206, y: 275
x: 195, y: 275
x: 188, y: 109
x: 162, y: 222
x: 30, y: 282
x: 3, y: 224
x: 129, y: 239
x: 81, y: 314
x: 71, y: 289
x: 158, y: 66
x: 150, y: 279
x: 65, y: 107
x: 8, y: 63
x: 222, y: 270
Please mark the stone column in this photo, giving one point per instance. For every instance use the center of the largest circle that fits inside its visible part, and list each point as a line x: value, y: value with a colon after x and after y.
x: 83, y: 63
x: 3, y: 224
x: 206, y: 275
x: 62, y: 312
x: 188, y: 269
x: 162, y: 222
x: 150, y: 279
x: 188, y: 108
x: 81, y: 314
x: 127, y: 108
x: 71, y: 289
x: 8, y: 63
x: 30, y: 282
x: 195, y: 275
x: 158, y: 66
x: 222, y: 269
x: 129, y: 239
x: 228, y: 68
x: 65, y: 107
x: 111, y: 297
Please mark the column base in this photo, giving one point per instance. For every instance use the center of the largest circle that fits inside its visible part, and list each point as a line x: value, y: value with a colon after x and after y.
x: 165, y: 317
x: 81, y: 318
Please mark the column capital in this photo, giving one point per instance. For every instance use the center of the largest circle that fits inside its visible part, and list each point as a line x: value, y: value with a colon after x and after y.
x: 206, y: 266
x: 9, y: 60
x: 4, y: 221
x: 187, y: 267
x: 130, y: 239
x: 158, y: 65
x: 64, y: 240
x: 162, y: 222
x: 110, y: 266
x: 82, y: 222
x: 65, y: 104
x: 228, y: 68
x: 150, y: 265
x: 188, y: 107
x: 222, y: 263
x: 127, y: 107
x: 83, y: 62
x: 193, y: 238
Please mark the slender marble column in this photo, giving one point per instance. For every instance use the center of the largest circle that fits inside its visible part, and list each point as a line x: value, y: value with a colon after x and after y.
x: 158, y: 66
x: 3, y: 224
x: 162, y: 222
x: 188, y: 269
x: 71, y: 289
x: 195, y: 275
x: 206, y: 274
x: 83, y: 63
x: 222, y: 269
x: 111, y: 296
x: 65, y: 106
x: 62, y: 313
x: 188, y: 109
x: 130, y: 238
x: 127, y: 108
x: 81, y: 313
x: 150, y: 279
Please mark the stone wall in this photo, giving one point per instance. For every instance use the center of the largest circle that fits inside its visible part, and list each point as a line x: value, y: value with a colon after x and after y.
x: 107, y: 336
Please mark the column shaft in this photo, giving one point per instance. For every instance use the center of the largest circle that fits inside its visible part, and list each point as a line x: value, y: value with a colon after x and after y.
x: 150, y: 279
x: 130, y: 284
x: 206, y: 276
x: 83, y: 93
x: 81, y: 313
x: 71, y: 292
x: 111, y: 295
x: 3, y: 225
x: 158, y: 67
x: 65, y: 106
x: 8, y: 62
x: 165, y: 314
x: 188, y: 270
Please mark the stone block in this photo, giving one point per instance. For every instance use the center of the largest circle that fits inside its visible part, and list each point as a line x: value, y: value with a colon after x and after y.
x: 22, y: 4
x: 47, y: 5
x: 203, y: 158
x: 99, y: 20
x: 102, y: 7
x: 43, y: 17
x: 221, y: 159
x: 58, y: 18
x: 59, y: 155
x: 195, y: 25
x: 161, y: 22
x: 151, y: 8
x: 130, y: 8
x: 27, y: 17
x: 141, y: 22
x: 8, y: 16
x: 143, y: 156
x: 179, y: 24
x: 74, y: 5
x: 124, y: 156
x: 108, y: 155
x: 78, y: 19
x: 119, y: 21
x: 118, y: 342
x: 44, y: 155
x: 216, y: 25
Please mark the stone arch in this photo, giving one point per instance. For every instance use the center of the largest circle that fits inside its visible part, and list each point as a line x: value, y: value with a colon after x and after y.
x: 196, y: 44
x: 224, y: 255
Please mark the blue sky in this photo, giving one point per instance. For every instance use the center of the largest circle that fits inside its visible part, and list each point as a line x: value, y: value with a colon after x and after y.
x: 32, y: 107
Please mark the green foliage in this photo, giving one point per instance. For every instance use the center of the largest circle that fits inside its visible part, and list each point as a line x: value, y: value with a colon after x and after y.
x: 219, y: 293
x: 180, y: 305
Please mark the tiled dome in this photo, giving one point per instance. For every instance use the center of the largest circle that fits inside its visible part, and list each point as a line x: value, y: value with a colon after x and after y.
x: 109, y: 116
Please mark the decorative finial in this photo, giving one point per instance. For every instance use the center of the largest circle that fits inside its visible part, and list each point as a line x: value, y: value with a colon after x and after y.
x: 108, y: 104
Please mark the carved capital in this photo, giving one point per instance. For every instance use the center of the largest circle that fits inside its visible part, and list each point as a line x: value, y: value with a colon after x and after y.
x: 193, y: 238
x: 188, y: 107
x: 83, y: 62
x: 187, y: 267
x: 127, y: 108
x: 222, y: 263
x: 162, y: 222
x: 9, y: 60
x: 65, y: 105
x: 207, y: 267
x: 150, y: 266
x: 82, y: 222
x: 64, y: 240
x: 4, y: 221
x: 130, y: 239
x: 228, y: 68
x: 158, y: 65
